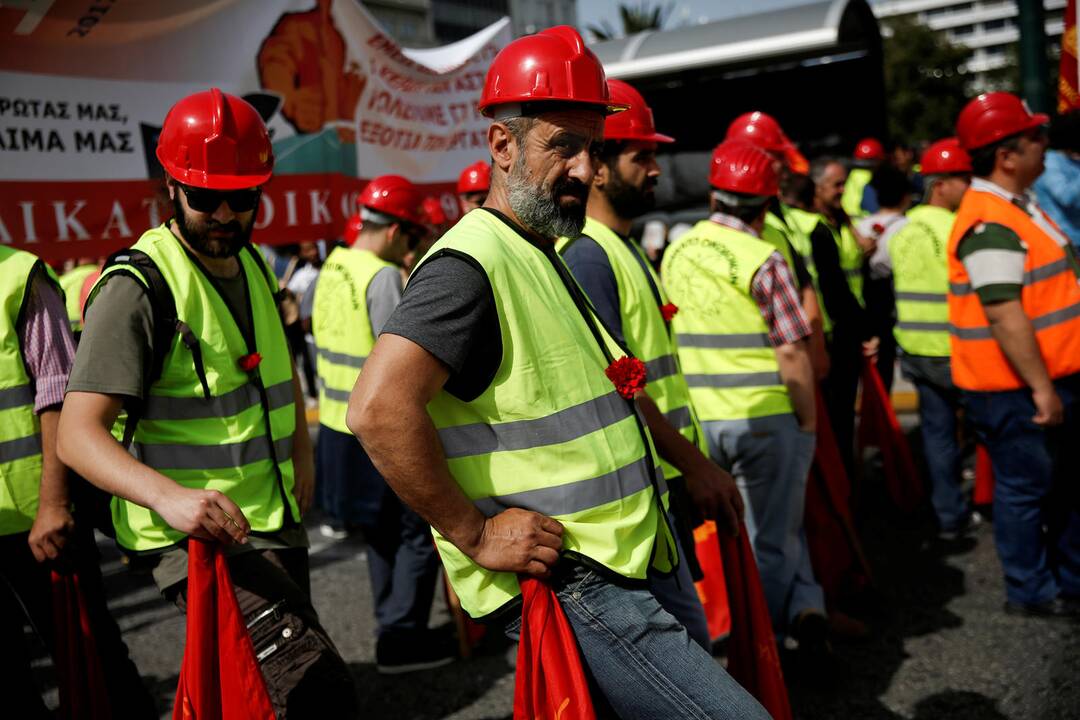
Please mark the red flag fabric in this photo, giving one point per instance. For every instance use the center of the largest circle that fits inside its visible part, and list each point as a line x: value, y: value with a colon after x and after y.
x: 835, y: 551
x: 712, y: 589
x: 984, y: 477
x: 81, y: 678
x: 219, y: 677
x: 1068, y: 85
x: 550, y: 682
x: 878, y: 427
x: 752, y: 656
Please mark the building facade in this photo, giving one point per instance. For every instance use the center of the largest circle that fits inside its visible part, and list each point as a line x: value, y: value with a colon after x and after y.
x: 988, y: 27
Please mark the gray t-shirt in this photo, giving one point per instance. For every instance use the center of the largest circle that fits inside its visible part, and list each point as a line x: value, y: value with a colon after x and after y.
x: 383, y: 295
x: 115, y: 349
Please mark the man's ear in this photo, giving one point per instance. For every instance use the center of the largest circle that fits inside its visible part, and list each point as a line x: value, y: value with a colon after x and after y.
x: 601, y: 175
x: 502, y: 145
x: 170, y: 187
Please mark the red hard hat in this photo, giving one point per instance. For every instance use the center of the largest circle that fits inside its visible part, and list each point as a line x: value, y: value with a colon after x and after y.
x: 433, y: 211
x: 944, y: 157
x: 634, y: 124
x: 869, y: 149
x: 352, y: 229
x: 551, y: 66
x: 395, y: 196
x: 762, y: 131
x: 215, y: 140
x: 475, y: 178
x: 993, y: 116
x: 739, y: 167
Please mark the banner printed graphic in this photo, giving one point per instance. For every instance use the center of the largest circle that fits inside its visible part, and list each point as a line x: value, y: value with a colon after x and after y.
x: 84, y: 87
x: 1068, y: 85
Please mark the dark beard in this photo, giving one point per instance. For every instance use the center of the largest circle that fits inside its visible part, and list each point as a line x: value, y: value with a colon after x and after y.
x: 627, y: 200
x: 197, y: 235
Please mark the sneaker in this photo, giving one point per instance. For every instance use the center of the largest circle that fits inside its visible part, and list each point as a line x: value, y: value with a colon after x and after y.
x: 401, y: 654
x: 333, y: 531
x: 1057, y: 609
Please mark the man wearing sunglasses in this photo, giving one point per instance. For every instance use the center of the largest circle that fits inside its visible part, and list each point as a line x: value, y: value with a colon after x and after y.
x: 183, y: 334
x: 357, y: 291
x: 1014, y: 322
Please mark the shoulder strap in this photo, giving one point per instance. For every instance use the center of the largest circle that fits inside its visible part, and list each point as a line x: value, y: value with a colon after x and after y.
x: 163, y: 307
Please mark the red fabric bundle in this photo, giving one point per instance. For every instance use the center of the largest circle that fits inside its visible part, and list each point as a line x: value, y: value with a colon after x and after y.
x: 81, y: 678
x: 550, y: 682
x: 219, y: 677
x: 984, y: 477
x: 752, y: 656
x: 835, y: 551
x: 712, y: 590
x: 878, y: 427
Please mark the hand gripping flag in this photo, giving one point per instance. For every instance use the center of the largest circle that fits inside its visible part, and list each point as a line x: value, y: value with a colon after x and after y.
x: 550, y: 682
x: 879, y: 427
x: 219, y: 677
x: 752, y: 656
x: 81, y: 678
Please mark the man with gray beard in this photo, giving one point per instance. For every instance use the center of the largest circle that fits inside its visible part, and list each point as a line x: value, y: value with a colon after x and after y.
x: 488, y: 406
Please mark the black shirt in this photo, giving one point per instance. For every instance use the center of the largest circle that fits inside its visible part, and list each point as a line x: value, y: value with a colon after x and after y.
x: 848, y: 316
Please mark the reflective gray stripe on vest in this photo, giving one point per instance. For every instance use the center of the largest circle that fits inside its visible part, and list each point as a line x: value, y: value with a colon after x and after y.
x: 160, y: 407
x: 679, y: 417
x: 1040, y: 323
x: 1034, y: 275
x: 161, y: 456
x: 735, y: 341
x: 560, y: 427
x: 921, y: 296
x: 922, y: 326
x: 14, y: 397
x: 579, y: 495
x: 662, y: 367
x: 338, y: 395
x: 734, y: 380
x: 340, y: 358
x: 19, y: 448
x: 853, y: 272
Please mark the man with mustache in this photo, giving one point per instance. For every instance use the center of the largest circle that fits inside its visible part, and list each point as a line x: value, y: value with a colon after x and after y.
x: 487, y: 406
x: 628, y: 297
x: 183, y: 334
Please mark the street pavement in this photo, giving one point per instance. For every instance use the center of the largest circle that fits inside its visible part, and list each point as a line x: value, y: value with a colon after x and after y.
x: 940, y: 646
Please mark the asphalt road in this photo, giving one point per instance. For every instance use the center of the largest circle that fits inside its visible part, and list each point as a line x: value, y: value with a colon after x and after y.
x: 940, y: 646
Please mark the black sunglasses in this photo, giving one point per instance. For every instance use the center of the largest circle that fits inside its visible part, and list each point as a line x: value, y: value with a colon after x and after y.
x: 207, y: 201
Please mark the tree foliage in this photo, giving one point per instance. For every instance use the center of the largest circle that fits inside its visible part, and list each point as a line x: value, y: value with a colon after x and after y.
x: 634, y: 19
x: 925, y: 82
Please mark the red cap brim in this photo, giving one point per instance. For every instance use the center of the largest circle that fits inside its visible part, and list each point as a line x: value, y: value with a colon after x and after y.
x: 796, y: 161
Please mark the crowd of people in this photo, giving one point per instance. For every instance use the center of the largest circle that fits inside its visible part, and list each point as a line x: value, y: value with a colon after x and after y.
x: 530, y: 387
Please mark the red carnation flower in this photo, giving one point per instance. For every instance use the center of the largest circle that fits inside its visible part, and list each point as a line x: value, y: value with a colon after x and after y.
x: 249, y: 362
x: 628, y: 376
x: 669, y: 311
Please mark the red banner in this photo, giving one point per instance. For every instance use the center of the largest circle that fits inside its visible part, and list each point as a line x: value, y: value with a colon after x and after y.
x: 1068, y: 86
x: 60, y: 220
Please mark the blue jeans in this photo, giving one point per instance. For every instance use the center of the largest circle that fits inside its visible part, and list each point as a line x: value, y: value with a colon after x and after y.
x: 678, y: 595
x: 1036, y: 523
x: 937, y: 423
x: 770, y: 458
x: 640, y: 659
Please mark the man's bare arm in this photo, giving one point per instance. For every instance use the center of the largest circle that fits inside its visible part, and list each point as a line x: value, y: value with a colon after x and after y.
x: 53, y: 523
x: 798, y: 376
x: 85, y: 444
x: 388, y: 413
x: 1014, y: 333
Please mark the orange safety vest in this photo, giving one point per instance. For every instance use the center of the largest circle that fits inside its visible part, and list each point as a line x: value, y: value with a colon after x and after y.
x: 1050, y: 297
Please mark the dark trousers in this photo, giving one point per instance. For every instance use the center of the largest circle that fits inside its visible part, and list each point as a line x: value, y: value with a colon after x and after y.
x: 305, y: 675
x: 840, y: 388
x: 1036, y: 518
x: 403, y: 566
x: 938, y: 407
x: 26, y: 596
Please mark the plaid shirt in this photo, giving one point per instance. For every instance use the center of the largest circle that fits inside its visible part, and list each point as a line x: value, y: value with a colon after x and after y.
x: 47, y: 343
x: 773, y: 289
